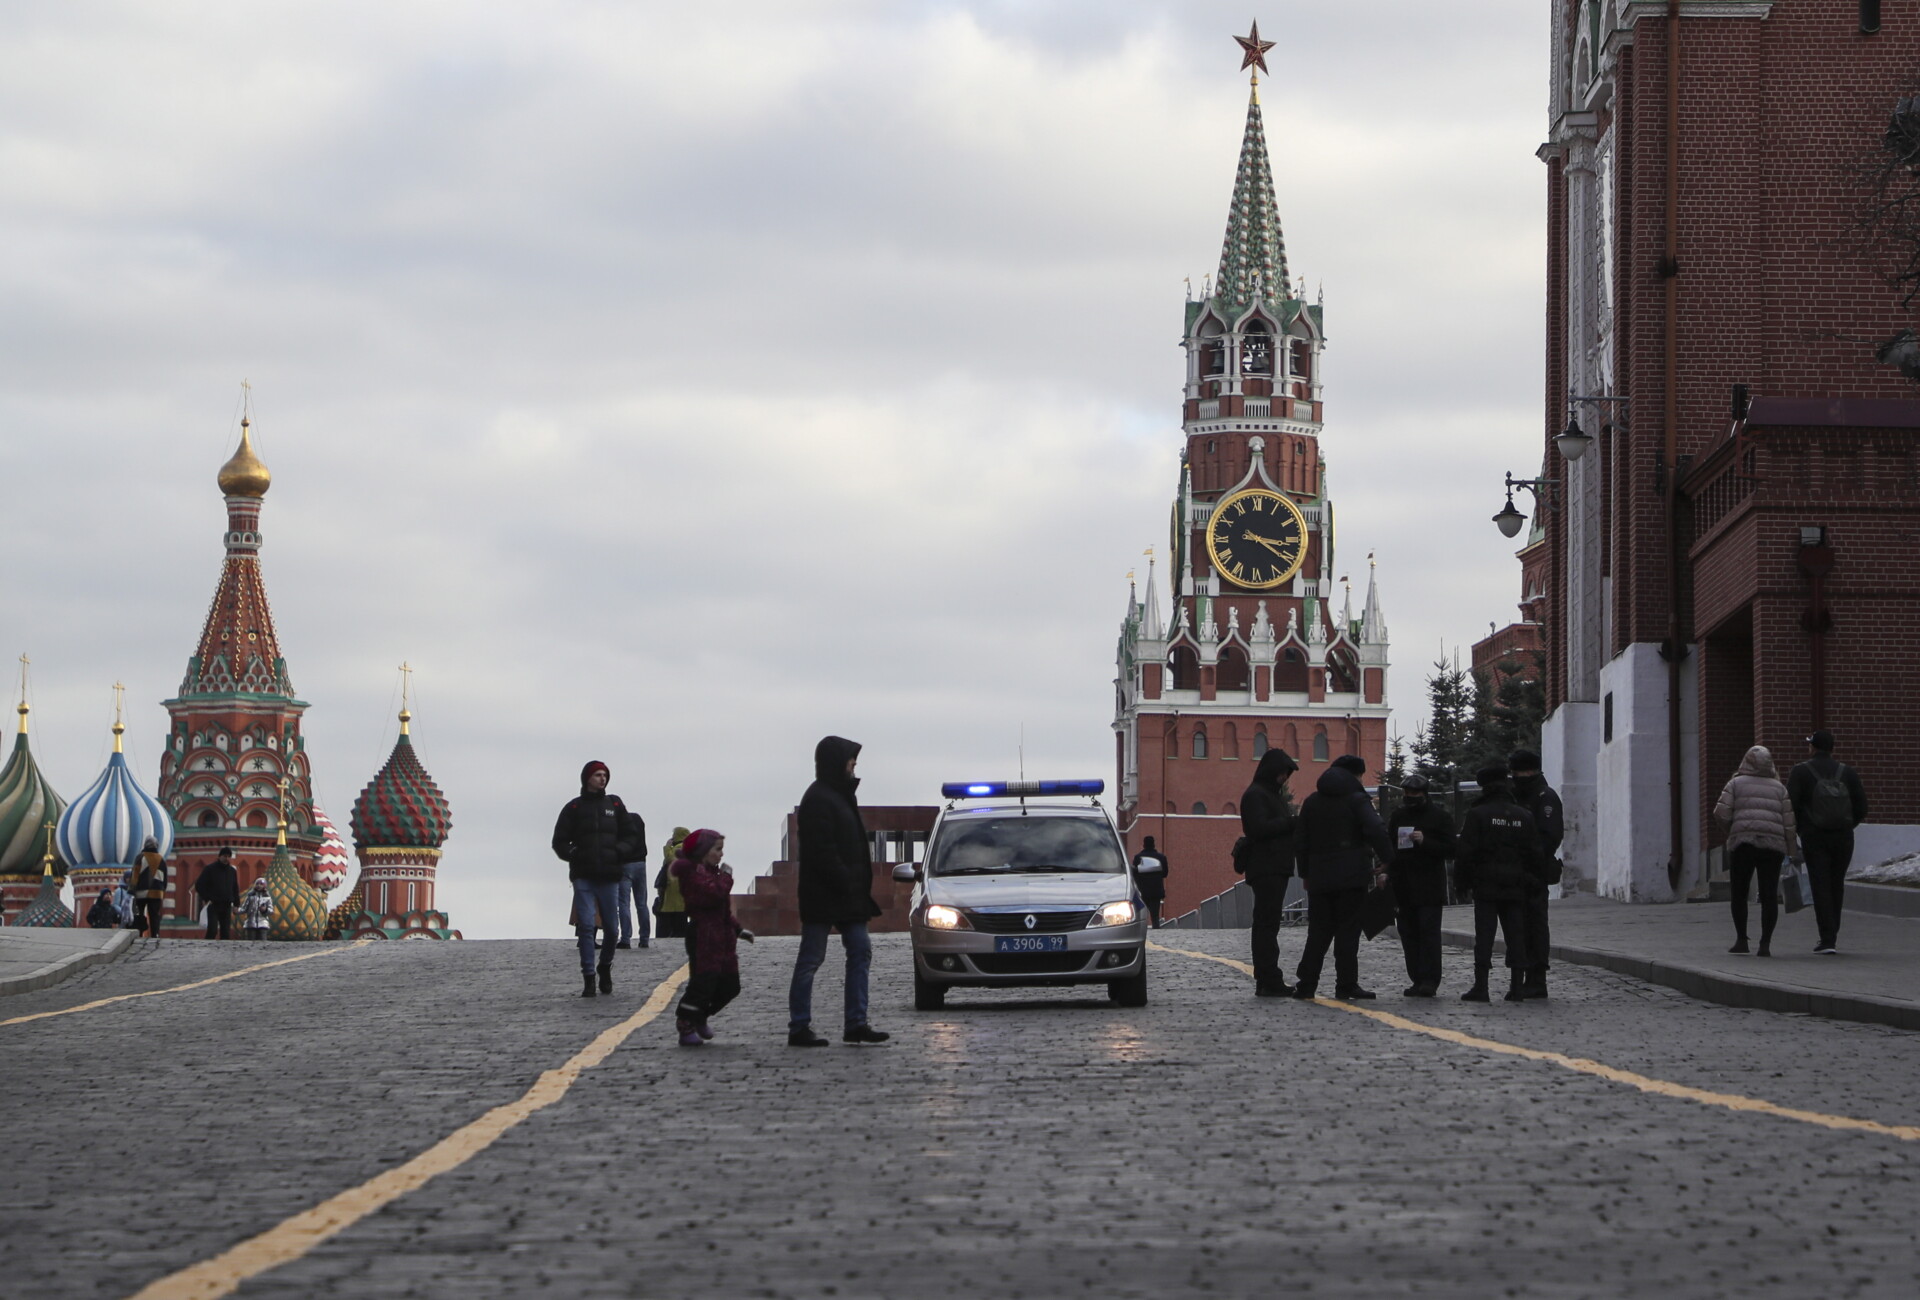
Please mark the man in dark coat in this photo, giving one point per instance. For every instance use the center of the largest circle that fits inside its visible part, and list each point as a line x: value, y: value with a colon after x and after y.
x: 1267, y: 820
x: 836, y: 892
x: 1499, y: 860
x: 219, y: 889
x: 1422, y: 833
x: 1828, y: 802
x: 1150, y: 874
x: 149, y: 888
x: 1531, y: 791
x: 595, y: 837
x: 1338, y: 839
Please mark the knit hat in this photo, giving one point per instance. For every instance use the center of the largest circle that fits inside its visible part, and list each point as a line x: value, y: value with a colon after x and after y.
x: 698, y: 843
x: 595, y: 766
x: 1353, y: 763
x: 1523, y: 760
x: 1822, y: 740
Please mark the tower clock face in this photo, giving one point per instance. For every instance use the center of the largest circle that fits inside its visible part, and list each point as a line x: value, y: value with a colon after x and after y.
x: 1257, y: 538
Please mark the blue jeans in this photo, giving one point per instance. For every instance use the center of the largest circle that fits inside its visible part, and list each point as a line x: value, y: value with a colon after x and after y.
x: 596, y: 903
x: 813, y: 951
x: 633, y: 907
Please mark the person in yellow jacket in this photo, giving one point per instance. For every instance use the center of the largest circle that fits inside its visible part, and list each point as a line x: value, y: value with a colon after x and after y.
x: 671, y: 908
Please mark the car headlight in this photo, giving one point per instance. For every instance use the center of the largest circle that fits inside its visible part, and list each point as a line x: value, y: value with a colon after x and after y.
x: 938, y: 916
x: 1112, y: 914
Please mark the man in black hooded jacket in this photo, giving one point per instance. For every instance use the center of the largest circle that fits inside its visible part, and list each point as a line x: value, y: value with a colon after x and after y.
x: 1531, y: 791
x: 1339, y: 840
x: 1499, y: 860
x: 596, y: 836
x: 836, y: 891
x: 1422, y: 831
x: 1267, y: 820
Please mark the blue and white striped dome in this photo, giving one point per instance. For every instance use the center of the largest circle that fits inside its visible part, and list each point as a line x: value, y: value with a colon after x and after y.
x: 107, y: 825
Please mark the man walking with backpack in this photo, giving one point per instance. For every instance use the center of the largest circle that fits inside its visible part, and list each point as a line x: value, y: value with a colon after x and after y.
x: 1828, y: 802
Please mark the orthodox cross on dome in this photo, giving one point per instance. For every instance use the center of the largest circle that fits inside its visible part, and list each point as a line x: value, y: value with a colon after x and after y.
x: 283, y: 808
x: 406, y: 698
x: 1253, y: 52
x: 23, y: 710
x: 119, y: 713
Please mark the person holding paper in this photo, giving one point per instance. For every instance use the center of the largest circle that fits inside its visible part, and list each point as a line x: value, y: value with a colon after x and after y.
x: 1422, y: 833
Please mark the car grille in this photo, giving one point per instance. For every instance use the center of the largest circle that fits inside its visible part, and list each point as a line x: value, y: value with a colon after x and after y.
x: 1016, y: 922
x: 1028, y: 963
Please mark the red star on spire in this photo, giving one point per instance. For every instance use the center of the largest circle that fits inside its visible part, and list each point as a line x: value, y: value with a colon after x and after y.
x: 1253, y: 49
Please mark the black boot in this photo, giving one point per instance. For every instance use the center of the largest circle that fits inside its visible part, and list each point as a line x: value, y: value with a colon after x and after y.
x: 587, y: 989
x: 606, y: 978
x: 1517, y: 986
x: 1478, y: 993
x: 1534, y: 986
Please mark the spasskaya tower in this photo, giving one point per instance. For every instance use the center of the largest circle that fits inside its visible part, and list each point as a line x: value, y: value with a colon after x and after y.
x: 1253, y: 653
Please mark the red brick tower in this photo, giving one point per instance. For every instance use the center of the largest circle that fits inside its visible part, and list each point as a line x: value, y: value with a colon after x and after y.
x: 1254, y: 656
x: 236, y: 723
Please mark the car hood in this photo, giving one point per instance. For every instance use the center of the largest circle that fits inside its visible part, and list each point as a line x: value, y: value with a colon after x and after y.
x: 1068, y: 889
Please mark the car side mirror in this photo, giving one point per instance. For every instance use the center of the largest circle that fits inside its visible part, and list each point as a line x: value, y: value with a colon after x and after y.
x: 906, y: 873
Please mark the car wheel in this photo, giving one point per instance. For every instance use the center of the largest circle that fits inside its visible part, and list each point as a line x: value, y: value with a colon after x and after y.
x: 1130, y: 992
x: 927, y: 995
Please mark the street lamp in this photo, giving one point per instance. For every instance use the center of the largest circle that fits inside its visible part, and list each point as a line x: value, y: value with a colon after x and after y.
x: 1509, y: 519
x: 1573, y: 441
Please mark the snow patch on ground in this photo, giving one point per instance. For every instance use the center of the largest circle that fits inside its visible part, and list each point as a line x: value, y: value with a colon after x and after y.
x: 1894, y: 871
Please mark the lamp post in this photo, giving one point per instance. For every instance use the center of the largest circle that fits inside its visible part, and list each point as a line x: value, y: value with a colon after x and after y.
x: 1510, y: 517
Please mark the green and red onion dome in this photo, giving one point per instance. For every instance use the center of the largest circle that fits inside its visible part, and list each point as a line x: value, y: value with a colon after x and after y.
x: 401, y: 808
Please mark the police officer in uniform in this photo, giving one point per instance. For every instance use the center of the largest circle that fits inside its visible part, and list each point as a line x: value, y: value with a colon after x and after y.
x: 1530, y: 788
x: 1499, y: 860
x: 1422, y: 833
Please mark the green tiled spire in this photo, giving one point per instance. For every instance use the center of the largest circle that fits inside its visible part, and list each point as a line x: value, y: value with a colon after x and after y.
x: 1253, y: 257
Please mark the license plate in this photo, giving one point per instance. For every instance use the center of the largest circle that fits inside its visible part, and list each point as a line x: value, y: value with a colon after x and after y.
x: 1029, y: 943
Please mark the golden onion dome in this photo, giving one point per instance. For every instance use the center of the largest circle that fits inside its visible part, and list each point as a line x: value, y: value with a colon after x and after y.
x: 245, y: 474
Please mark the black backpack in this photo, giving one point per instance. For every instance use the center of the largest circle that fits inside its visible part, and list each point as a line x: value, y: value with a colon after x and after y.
x: 1830, y: 804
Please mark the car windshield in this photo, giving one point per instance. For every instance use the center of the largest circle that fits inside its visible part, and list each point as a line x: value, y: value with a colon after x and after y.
x: 1032, y: 844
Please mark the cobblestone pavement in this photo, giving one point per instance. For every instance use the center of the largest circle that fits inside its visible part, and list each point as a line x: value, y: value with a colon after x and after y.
x: 1020, y: 1143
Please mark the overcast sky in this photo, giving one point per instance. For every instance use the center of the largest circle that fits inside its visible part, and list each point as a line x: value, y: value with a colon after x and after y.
x: 674, y: 384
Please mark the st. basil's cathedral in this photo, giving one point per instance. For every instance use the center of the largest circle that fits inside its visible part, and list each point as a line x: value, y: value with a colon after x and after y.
x: 234, y: 774
x: 1254, y: 653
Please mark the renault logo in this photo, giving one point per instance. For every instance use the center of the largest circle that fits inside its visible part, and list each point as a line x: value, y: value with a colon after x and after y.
x: 1032, y: 920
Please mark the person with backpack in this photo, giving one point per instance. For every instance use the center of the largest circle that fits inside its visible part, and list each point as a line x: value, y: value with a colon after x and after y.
x: 633, y: 889
x: 1758, y: 815
x: 1828, y: 802
x: 1531, y: 791
x: 149, y: 888
x: 1341, y: 844
x: 1500, y: 861
x: 1264, y: 856
x: 1422, y: 832
x: 1150, y: 874
x: 669, y: 905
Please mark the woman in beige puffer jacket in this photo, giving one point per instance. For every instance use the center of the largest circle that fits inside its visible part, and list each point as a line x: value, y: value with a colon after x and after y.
x: 1759, y: 819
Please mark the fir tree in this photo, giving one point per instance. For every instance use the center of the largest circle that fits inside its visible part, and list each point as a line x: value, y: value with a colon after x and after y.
x: 1442, y: 747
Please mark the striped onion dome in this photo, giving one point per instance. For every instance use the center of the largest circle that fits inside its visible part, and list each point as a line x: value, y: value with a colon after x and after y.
x: 47, y: 909
x: 27, y: 804
x: 107, y: 825
x: 401, y: 808
x: 331, y: 863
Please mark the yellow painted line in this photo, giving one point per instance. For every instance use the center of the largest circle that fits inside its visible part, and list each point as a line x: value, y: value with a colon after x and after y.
x: 292, y: 1238
x: 1581, y: 1065
x: 327, y: 951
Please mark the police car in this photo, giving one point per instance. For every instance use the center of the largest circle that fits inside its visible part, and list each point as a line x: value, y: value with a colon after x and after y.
x: 1022, y: 885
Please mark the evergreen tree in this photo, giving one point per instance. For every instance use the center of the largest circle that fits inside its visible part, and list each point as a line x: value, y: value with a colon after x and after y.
x: 1442, y: 747
x: 1396, y: 769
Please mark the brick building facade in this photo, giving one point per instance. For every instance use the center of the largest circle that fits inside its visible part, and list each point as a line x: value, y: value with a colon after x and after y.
x: 1725, y: 567
x: 1254, y: 654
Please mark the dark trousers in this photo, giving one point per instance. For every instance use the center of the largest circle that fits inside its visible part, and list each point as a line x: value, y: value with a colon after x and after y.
x: 708, y: 994
x: 1333, y: 917
x: 1828, y: 855
x: 1269, y: 896
x: 219, y: 920
x: 1539, y: 938
x: 147, y: 913
x: 1511, y: 919
x: 1420, y: 942
x: 1746, y: 861
x: 1153, y: 902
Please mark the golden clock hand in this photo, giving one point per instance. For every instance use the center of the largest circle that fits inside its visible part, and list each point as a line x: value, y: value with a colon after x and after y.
x: 1267, y: 542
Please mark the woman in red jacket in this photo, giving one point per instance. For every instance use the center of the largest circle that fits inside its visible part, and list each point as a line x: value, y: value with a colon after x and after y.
x: 707, y: 886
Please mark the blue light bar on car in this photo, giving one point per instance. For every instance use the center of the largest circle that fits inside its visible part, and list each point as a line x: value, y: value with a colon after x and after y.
x: 1018, y: 789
